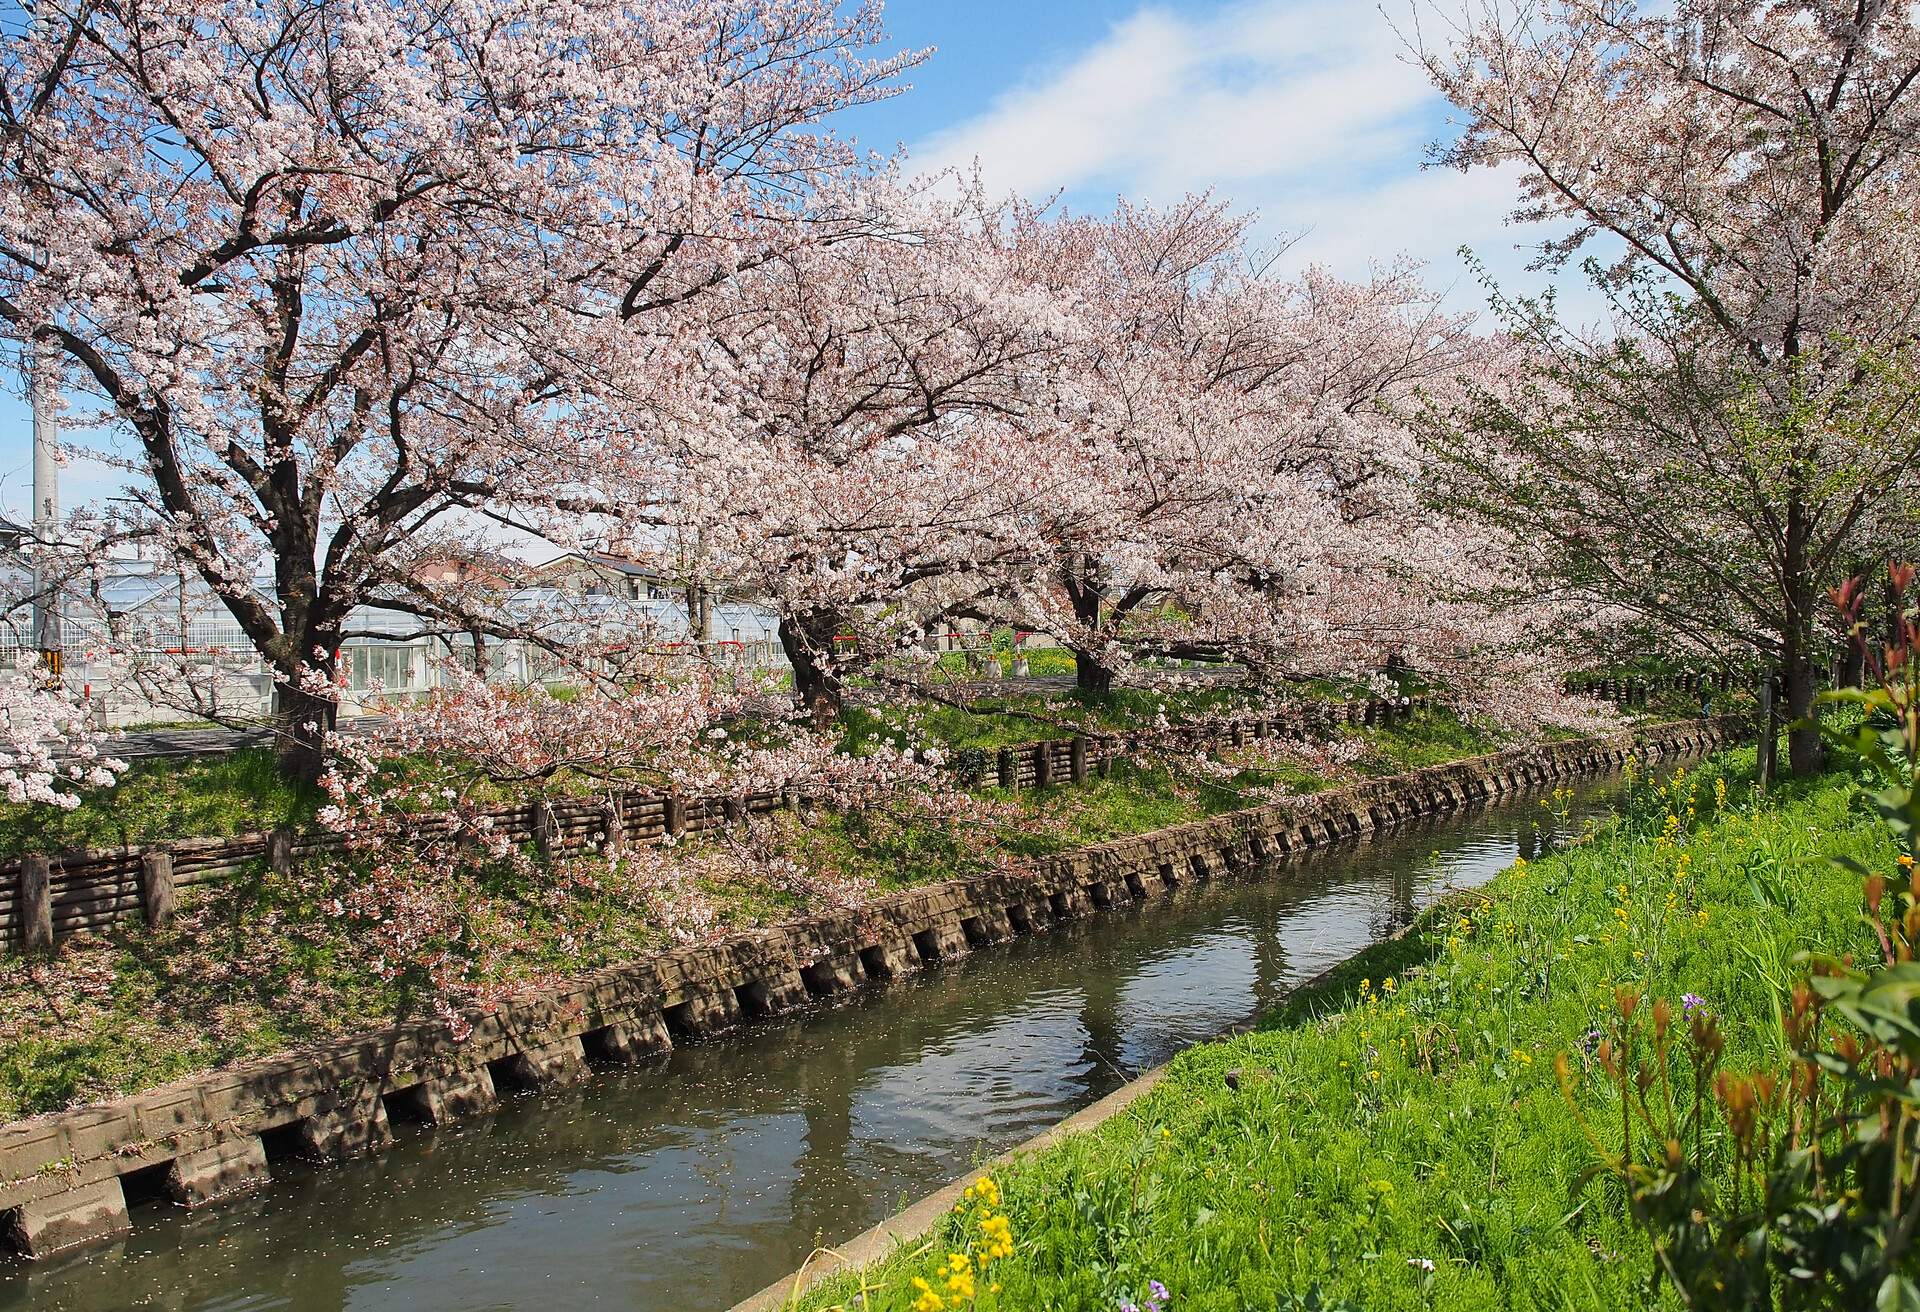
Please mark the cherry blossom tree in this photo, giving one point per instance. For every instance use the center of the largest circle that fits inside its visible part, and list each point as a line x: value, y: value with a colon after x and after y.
x: 865, y: 482
x: 1232, y: 482
x: 1743, y: 436
x: 1120, y: 432
x: 333, y: 272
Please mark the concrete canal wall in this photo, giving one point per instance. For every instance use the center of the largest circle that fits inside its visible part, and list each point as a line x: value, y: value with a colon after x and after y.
x: 65, y: 1178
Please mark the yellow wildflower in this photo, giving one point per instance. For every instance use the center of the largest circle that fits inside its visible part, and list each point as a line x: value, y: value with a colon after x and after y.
x: 998, y: 1234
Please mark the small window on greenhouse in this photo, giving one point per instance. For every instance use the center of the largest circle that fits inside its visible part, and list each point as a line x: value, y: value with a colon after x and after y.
x: 391, y: 667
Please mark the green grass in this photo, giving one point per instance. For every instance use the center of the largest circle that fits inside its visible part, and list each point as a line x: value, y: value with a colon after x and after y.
x: 1432, y: 737
x: 900, y: 852
x: 260, y: 963
x: 1375, y: 1126
x: 240, y: 792
x: 250, y: 969
x: 243, y: 791
x: 1013, y: 719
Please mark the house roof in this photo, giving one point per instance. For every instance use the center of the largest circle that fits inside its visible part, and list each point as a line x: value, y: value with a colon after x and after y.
x: 601, y: 560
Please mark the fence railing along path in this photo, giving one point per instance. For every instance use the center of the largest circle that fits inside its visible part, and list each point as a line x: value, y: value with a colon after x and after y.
x: 46, y: 896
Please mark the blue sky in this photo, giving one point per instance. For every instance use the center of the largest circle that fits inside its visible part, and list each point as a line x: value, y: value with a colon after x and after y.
x: 1305, y: 111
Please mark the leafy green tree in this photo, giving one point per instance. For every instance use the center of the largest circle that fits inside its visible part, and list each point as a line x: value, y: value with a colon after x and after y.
x: 1746, y: 436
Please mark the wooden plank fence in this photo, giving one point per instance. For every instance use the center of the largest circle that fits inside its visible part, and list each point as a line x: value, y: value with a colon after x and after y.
x: 1636, y: 691
x: 44, y: 897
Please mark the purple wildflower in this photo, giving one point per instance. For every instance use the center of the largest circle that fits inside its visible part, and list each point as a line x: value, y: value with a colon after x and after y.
x: 1159, y: 1292
x: 1690, y: 1002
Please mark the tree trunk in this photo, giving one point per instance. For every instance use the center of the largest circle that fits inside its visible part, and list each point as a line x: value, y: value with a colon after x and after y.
x: 1805, y: 754
x: 699, y: 615
x: 303, y: 722
x: 808, y: 642
x: 1799, y: 671
x: 1853, y: 665
x: 1769, y: 730
x: 1090, y: 676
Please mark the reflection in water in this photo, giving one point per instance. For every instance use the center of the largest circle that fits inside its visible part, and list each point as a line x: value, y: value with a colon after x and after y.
x: 693, y: 1183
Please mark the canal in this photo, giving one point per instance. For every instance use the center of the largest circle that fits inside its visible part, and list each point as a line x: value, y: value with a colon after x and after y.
x: 696, y: 1181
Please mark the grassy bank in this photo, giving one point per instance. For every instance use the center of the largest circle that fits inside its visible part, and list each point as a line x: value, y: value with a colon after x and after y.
x: 1407, y: 1113
x: 157, y: 800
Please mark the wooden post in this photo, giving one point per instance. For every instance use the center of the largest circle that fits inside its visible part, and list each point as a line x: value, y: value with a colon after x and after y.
x: 1004, y: 765
x: 1042, y: 765
x: 280, y: 852
x: 156, y: 888
x: 674, y: 808
x: 1079, y: 756
x: 546, y: 829
x: 1769, y: 732
x: 35, y: 907
x: 735, y: 810
x: 613, y: 822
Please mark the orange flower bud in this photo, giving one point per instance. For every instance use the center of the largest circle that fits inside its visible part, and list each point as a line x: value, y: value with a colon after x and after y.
x: 1628, y: 1000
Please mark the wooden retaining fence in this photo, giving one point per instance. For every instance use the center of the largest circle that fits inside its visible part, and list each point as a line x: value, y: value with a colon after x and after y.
x: 1636, y: 691
x: 45, y: 897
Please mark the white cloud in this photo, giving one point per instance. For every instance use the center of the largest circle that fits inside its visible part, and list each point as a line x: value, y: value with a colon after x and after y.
x: 1081, y: 122
x: 1306, y: 111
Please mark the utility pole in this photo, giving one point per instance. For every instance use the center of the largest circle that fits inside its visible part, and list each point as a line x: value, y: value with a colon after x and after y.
x: 43, y: 396
x: 46, y: 504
